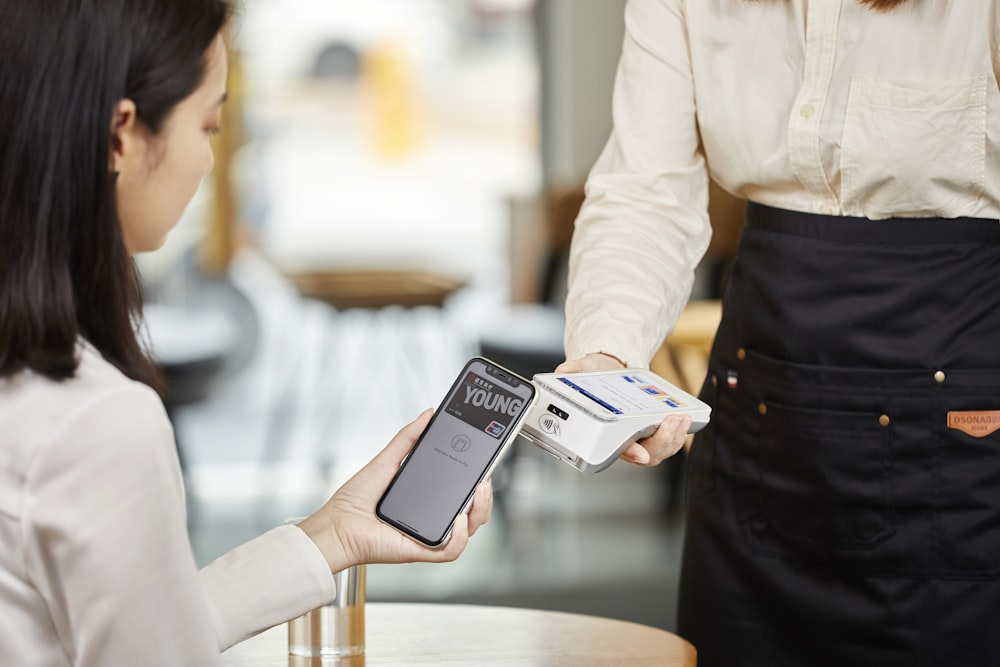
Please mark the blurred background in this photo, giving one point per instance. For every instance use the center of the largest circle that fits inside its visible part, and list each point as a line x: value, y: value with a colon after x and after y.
x: 395, y: 189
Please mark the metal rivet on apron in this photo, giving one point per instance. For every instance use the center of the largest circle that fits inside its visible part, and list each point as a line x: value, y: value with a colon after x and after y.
x: 715, y: 381
x: 939, y: 377
x: 762, y: 409
x: 741, y: 354
x: 884, y: 420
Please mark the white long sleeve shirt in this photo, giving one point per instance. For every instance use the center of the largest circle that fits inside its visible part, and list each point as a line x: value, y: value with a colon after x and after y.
x: 96, y: 568
x: 820, y: 106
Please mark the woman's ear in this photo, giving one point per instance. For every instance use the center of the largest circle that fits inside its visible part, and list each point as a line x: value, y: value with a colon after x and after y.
x: 124, y: 136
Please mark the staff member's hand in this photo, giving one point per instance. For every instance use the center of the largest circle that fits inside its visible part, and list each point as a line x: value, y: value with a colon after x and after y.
x: 665, y: 442
x: 347, y: 532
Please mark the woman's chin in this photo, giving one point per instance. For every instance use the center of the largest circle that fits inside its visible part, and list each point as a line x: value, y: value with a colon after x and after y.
x: 146, y: 245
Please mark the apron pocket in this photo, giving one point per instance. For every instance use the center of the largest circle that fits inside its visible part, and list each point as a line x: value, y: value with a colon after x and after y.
x: 845, y: 467
x: 825, y: 475
x: 966, y: 424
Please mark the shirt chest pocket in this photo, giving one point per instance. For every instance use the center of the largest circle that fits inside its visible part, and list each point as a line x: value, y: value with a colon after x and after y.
x: 914, y: 149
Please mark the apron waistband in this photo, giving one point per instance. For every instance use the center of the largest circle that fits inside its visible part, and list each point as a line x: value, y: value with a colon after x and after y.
x: 899, y: 231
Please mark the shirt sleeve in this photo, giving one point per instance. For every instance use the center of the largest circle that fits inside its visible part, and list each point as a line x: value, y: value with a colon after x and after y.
x: 106, y: 541
x: 269, y: 580
x: 644, y: 224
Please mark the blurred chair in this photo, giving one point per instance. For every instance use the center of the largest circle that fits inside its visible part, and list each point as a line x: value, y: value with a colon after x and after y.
x: 683, y: 357
x: 528, y: 338
x: 209, y: 334
x: 725, y: 213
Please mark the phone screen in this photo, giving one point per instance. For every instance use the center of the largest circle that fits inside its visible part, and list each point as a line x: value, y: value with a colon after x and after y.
x: 459, y: 447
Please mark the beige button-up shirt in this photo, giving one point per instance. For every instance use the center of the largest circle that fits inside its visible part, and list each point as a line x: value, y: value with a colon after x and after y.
x: 821, y: 106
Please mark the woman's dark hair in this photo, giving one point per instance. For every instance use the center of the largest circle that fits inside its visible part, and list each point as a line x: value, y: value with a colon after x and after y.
x: 64, y: 268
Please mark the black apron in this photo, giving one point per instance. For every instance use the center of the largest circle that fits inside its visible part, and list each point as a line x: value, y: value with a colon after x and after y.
x: 843, y: 505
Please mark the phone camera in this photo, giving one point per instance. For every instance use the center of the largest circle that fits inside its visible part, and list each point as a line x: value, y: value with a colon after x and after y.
x: 558, y: 412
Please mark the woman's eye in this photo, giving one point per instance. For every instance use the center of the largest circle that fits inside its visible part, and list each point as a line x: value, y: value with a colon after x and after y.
x: 213, y: 130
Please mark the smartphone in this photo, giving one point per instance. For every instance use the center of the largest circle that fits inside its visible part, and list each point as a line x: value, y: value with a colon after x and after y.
x: 462, y: 444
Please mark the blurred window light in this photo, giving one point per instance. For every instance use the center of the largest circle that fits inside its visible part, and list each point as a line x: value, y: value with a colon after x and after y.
x: 388, y: 133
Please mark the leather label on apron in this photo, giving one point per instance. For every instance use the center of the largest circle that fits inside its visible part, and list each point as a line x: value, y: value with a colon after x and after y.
x: 977, y: 423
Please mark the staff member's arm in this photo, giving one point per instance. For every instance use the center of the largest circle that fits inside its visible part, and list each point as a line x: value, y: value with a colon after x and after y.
x: 644, y: 225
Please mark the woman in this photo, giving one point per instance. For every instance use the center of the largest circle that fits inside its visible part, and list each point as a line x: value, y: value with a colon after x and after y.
x: 844, y: 503
x: 106, y: 110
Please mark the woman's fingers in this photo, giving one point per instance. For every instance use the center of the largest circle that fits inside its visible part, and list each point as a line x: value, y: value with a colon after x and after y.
x: 482, y: 506
x: 387, y: 462
x: 403, y: 441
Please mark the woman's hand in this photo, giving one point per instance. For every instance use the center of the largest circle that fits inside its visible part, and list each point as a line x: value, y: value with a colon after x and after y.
x: 347, y: 532
x: 665, y: 442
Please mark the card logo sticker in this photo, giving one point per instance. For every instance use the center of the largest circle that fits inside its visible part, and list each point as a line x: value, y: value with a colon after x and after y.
x: 496, y: 429
x: 978, y: 424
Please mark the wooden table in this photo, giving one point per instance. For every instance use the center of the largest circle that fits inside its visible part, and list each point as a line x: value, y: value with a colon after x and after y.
x: 344, y: 289
x: 468, y: 635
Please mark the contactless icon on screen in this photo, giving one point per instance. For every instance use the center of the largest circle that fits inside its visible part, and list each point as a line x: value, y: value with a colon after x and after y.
x: 461, y: 443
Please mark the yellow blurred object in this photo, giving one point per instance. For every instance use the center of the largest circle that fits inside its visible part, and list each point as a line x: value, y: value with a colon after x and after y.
x: 683, y: 357
x: 220, y: 240
x: 394, y: 113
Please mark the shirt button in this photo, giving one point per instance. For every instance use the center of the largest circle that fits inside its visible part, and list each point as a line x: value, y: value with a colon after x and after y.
x: 807, y: 110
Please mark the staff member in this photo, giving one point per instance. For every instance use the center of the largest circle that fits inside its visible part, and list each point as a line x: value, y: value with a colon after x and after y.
x: 844, y: 503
